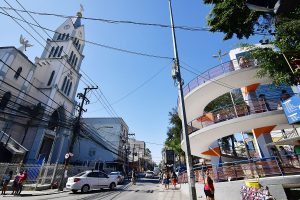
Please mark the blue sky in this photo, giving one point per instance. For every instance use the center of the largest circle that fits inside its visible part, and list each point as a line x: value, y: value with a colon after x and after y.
x: 117, y: 73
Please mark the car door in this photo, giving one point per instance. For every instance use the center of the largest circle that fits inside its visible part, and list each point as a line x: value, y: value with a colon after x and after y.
x: 93, y: 180
x: 104, y: 180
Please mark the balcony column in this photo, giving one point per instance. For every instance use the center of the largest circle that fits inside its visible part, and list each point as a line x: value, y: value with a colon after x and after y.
x: 262, y: 138
x: 250, y: 96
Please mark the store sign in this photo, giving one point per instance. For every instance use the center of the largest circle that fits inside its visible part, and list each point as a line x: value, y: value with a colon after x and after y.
x: 291, y: 108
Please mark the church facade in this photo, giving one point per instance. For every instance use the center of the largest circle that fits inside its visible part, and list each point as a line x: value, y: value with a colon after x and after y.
x: 38, y: 99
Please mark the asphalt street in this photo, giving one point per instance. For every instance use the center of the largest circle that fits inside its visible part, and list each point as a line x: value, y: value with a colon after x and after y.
x: 145, y: 189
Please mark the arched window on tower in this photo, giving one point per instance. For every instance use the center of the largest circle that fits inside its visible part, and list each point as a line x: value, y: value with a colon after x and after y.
x: 75, y: 62
x: 69, y: 89
x: 51, y: 52
x: 60, y: 50
x: 79, y: 47
x: 67, y: 37
x: 18, y: 73
x: 64, y: 83
x: 73, y: 59
x: 59, y: 36
x: 51, y: 78
x: 63, y: 36
x: 67, y: 86
x: 70, y: 58
x: 56, y: 51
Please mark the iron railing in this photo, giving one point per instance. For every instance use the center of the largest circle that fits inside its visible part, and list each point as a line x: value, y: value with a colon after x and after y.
x: 214, y: 72
x: 252, y: 168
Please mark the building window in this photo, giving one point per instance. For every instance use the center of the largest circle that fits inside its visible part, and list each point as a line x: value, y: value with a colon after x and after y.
x: 75, y: 62
x: 64, y: 83
x: 79, y: 46
x: 59, y: 36
x: 63, y: 36
x: 51, y: 52
x: 5, y: 99
x: 70, y: 58
x: 60, y: 50
x: 56, y: 51
x: 18, y: 73
x: 67, y: 37
x: 51, y: 78
x: 73, y: 59
x: 69, y: 90
x: 67, y: 86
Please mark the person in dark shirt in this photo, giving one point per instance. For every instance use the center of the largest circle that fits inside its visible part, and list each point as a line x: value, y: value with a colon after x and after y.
x: 5, y: 182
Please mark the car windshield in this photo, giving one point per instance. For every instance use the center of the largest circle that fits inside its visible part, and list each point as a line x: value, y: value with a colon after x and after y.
x: 114, y: 173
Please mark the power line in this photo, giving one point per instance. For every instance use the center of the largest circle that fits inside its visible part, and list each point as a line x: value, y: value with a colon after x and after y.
x: 97, y: 44
x: 30, y: 24
x: 110, y: 21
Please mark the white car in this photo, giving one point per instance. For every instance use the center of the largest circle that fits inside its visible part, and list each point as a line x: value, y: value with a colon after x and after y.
x: 118, y: 175
x: 91, y: 180
x: 149, y: 174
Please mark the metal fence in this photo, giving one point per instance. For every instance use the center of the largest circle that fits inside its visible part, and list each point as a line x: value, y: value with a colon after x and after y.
x: 267, y: 167
x: 45, y: 174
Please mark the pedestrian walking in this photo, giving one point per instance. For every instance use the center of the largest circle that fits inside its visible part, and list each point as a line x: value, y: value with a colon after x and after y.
x: 174, y: 179
x: 133, y: 177
x: 166, y: 180
x: 209, y: 189
x: 15, y: 185
x: 5, y: 182
x: 22, y: 181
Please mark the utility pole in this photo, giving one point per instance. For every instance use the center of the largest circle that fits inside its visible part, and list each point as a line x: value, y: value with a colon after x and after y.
x: 177, y: 76
x: 76, y: 132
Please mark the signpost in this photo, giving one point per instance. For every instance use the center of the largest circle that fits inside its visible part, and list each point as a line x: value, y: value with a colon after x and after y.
x: 291, y: 108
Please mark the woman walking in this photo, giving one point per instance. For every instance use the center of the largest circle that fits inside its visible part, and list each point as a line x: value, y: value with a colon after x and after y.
x: 166, y: 180
x: 5, y: 182
x: 174, y: 179
x: 209, y: 189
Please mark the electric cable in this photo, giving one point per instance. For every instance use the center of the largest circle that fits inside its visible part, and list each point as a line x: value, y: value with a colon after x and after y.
x: 97, y: 44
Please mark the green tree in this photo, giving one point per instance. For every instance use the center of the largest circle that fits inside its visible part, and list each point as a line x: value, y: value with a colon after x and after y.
x: 233, y: 17
x: 173, y: 140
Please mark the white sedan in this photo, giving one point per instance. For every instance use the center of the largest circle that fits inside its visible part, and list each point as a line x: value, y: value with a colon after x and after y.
x: 91, y: 180
x: 119, y: 176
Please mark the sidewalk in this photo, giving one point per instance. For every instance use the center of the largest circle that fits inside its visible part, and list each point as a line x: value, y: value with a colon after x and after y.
x: 27, y: 193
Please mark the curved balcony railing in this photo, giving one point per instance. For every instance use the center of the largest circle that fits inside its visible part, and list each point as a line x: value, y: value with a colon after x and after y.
x: 236, y: 110
x: 216, y: 71
x: 252, y: 168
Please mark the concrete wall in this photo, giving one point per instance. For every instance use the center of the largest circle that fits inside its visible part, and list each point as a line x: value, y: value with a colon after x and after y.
x: 231, y: 190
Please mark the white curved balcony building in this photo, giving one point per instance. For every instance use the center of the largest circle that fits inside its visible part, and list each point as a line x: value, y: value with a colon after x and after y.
x: 250, y: 115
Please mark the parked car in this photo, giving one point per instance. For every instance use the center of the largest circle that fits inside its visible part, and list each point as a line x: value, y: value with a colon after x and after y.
x: 118, y: 175
x: 91, y: 180
x: 149, y: 174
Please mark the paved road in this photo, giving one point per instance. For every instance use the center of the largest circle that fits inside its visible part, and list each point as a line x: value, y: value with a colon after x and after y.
x: 145, y: 189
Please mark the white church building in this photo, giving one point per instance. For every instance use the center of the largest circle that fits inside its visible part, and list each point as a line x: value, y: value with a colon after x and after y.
x: 37, y: 100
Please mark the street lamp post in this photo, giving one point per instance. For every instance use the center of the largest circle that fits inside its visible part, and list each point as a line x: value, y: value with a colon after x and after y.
x: 177, y: 76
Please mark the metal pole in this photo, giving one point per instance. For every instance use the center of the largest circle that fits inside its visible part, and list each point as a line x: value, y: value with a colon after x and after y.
x: 191, y: 178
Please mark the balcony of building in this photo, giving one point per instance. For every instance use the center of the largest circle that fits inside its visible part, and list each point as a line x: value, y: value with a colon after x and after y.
x: 217, y: 81
x: 239, y: 116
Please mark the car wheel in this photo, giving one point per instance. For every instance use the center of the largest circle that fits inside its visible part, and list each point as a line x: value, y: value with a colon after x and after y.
x: 74, y: 191
x: 112, y: 186
x: 85, y: 188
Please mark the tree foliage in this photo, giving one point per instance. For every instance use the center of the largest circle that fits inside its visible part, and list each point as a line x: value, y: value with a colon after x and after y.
x: 173, y: 140
x: 233, y: 17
